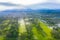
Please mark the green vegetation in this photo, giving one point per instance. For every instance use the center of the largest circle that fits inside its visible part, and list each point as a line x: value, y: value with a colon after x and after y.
x: 27, y: 29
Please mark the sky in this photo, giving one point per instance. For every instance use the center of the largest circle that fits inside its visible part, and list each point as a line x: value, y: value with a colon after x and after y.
x: 11, y: 4
x: 28, y: 2
x: 24, y: 2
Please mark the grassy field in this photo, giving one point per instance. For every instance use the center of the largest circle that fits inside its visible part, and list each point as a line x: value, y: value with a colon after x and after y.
x: 25, y: 29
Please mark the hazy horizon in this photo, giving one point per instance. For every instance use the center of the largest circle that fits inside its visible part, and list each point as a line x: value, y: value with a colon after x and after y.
x: 15, y: 4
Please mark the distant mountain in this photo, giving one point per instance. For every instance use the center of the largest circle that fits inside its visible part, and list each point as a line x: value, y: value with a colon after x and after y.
x: 28, y: 11
x: 15, y: 12
x: 48, y: 10
x: 44, y: 8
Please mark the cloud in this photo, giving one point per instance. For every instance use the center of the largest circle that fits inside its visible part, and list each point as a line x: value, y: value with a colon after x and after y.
x: 24, y: 2
x: 28, y: 2
x: 8, y: 4
x: 54, y: 1
x: 5, y: 8
x: 13, y: 4
x: 11, y: 1
x: 2, y: 8
x: 58, y: 1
